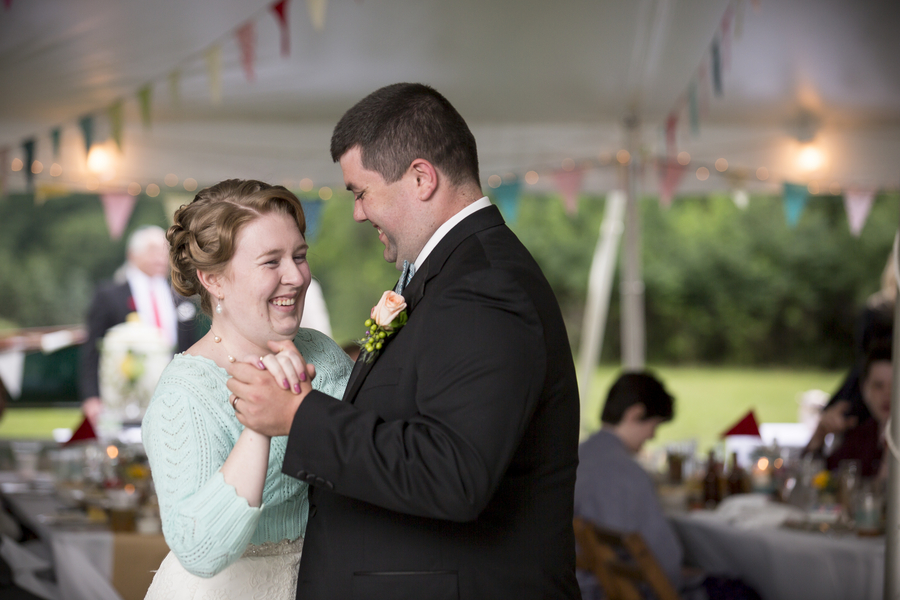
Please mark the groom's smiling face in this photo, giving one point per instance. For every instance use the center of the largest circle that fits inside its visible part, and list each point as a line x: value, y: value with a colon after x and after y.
x: 389, y: 207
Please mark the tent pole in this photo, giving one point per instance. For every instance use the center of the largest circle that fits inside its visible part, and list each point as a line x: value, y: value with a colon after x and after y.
x: 596, y: 308
x: 892, y: 527
x: 632, y: 288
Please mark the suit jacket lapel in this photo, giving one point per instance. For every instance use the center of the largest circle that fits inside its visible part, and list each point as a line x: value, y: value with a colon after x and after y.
x: 413, y: 293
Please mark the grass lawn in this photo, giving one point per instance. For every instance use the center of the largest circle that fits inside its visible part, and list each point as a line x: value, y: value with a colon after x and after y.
x: 37, y: 423
x: 707, y: 400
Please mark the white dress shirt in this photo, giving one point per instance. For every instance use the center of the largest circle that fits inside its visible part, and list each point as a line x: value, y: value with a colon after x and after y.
x: 449, y: 224
x: 142, y: 287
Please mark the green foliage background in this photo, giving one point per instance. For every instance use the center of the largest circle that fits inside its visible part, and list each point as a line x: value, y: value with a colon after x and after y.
x: 723, y: 285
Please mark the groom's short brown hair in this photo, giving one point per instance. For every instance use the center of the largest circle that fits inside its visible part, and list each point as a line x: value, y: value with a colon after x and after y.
x: 399, y: 123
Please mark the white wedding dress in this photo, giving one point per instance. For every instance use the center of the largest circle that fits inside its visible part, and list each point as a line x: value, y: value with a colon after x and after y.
x: 265, y: 572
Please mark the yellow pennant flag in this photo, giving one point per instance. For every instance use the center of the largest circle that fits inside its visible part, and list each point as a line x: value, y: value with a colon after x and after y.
x: 214, y: 70
x: 316, y: 10
x: 115, y: 122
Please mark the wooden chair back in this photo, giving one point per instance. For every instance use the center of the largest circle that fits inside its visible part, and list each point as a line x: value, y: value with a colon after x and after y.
x: 621, y: 562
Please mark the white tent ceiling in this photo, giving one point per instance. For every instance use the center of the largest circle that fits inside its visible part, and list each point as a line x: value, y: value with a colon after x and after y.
x: 538, y: 82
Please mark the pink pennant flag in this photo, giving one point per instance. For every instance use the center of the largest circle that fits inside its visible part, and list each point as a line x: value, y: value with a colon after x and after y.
x: 280, y: 9
x: 569, y: 185
x: 858, y: 203
x: 670, y: 174
x: 671, y: 127
x: 117, y: 208
x: 246, y: 35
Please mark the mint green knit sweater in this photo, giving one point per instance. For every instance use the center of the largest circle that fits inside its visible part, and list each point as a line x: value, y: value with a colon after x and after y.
x: 188, y: 432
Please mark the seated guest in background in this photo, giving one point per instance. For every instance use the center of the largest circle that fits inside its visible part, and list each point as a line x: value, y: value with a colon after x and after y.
x: 846, y: 407
x: 144, y: 289
x: 611, y: 488
x: 865, y: 441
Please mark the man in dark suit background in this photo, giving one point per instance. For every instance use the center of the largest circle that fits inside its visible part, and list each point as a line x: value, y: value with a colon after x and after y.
x: 449, y: 468
x: 141, y: 286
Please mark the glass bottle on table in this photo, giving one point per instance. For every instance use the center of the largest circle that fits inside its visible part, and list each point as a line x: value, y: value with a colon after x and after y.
x: 711, y: 493
x: 736, y: 478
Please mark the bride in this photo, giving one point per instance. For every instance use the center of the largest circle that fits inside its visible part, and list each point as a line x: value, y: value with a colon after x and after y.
x: 233, y: 521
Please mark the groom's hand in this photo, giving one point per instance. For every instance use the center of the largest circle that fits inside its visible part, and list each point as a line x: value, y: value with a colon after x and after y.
x: 262, y: 404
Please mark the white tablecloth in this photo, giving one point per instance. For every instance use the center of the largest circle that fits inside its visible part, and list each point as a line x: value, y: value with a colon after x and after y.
x: 784, y: 564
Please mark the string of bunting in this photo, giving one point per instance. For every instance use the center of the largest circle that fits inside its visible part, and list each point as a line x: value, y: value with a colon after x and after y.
x: 246, y: 39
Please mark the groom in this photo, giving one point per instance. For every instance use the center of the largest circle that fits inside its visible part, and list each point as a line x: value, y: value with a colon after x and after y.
x: 448, y: 470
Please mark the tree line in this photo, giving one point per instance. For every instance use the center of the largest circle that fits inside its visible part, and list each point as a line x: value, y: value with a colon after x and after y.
x: 722, y: 285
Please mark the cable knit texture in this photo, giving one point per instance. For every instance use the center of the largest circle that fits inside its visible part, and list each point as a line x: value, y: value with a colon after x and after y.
x: 189, y: 431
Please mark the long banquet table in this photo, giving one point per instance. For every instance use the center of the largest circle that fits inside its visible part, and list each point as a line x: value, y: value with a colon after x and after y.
x: 785, y: 564
x: 89, y: 564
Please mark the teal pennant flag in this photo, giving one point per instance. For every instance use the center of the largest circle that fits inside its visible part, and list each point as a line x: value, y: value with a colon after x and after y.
x: 312, y: 210
x: 795, y: 197
x: 507, y: 197
x: 55, y: 135
x: 716, y: 67
x: 87, y: 128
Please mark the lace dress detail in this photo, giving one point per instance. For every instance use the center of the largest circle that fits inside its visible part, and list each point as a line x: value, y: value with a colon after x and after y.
x: 265, y: 572
x: 188, y: 432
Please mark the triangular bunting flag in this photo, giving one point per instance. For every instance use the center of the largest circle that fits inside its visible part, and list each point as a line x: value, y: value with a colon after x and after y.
x: 670, y: 174
x: 12, y: 371
x: 746, y: 426
x: 795, y: 197
x: 569, y: 185
x: 4, y: 169
x: 312, y: 210
x: 858, y: 203
x: 144, y: 95
x: 84, y: 432
x: 115, y: 122
x: 246, y: 36
x: 87, y: 129
x: 48, y: 191
x: 741, y: 198
x: 281, y: 14
x: 55, y: 135
x: 507, y: 196
x: 28, y: 150
x: 671, y: 129
x: 316, y: 10
x: 693, y: 109
x: 175, y: 87
x: 716, y: 59
x: 117, y: 208
x: 214, y: 72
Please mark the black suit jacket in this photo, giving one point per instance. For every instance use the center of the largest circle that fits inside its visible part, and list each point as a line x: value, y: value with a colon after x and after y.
x: 448, y: 471
x: 111, y: 304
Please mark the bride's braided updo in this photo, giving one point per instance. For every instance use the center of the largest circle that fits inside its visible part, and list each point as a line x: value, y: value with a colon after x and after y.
x: 205, y: 232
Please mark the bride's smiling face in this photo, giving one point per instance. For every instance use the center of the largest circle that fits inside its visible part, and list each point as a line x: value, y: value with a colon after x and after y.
x: 264, y: 285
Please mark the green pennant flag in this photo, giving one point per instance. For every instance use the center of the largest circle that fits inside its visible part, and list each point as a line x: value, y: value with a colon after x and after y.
x: 115, y: 122
x: 716, y: 67
x: 28, y: 150
x: 55, y: 135
x: 144, y: 95
x: 694, y: 109
x: 507, y: 196
x: 87, y: 128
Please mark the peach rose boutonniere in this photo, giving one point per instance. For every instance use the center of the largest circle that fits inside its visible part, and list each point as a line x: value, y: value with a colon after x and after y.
x: 388, y: 316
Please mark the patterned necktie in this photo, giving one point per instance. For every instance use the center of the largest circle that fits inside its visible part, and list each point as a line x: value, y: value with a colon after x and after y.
x: 405, y: 276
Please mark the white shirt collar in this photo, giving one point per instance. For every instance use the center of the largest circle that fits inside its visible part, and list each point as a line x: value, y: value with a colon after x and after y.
x: 449, y: 224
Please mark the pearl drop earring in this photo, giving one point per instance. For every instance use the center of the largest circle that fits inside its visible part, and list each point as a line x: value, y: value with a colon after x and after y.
x: 219, y: 307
